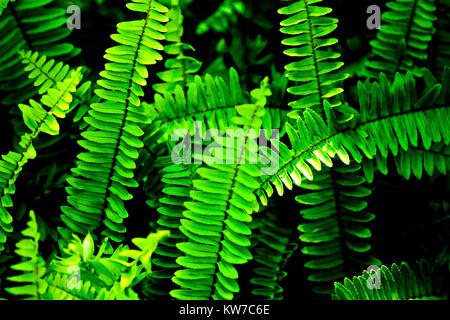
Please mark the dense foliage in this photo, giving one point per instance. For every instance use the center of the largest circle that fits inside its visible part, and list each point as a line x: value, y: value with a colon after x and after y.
x: 118, y: 182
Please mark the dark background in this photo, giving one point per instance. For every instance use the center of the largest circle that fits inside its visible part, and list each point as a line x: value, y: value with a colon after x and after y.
x: 405, y: 228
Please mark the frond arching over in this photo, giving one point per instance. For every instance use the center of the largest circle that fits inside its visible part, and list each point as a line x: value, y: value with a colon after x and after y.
x: 393, y: 116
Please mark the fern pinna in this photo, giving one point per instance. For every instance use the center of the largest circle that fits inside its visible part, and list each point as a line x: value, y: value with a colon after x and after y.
x: 152, y: 183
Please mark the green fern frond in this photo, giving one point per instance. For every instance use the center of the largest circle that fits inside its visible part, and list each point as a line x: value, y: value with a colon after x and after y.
x: 393, y: 117
x: 273, y: 249
x: 36, y: 25
x: 223, y: 18
x: 403, y: 38
x: 415, y: 161
x: 4, y: 4
x: 97, y: 188
x: 30, y: 282
x: 180, y: 70
x: 419, y: 282
x: 218, y: 236
x: 47, y: 72
x: 37, y: 119
x: 211, y: 101
x: 442, y: 36
x: 44, y: 73
x: 333, y: 230
x: 177, y: 183
x: 315, y: 74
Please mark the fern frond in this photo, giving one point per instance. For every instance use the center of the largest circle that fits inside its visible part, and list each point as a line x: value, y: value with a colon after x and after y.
x: 47, y: 72
x: 37, y: 119
x: 415, y: 161
x: 180, y: 69
x: 211, y: 101
x: 97, y: 188
x: 442, y: 36
x: 403, y: 39
x: 36, y: 25
x: 274, y: 247
x: 44, y: 73
x: 393, y: 117
x: 316, y: 73
x: 177, y: 183
x: 223, y: 18
x: 30, y: 281
x: 333, y: 230
x: 4, y: 4
x: 218, y: 236
x: 419, y: 282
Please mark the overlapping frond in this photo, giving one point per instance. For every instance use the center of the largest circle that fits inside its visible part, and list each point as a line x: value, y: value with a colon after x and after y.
x: 211, y: 101
x: 181, y: 68
x: 38, y: 119
x: 36, y: 25
x: 177, y: 184
x: 273, y: 248
x: 333, y: 228
x: 419, y: 282
x: 216, y: 221
x: 393, y: 116
x: 316, y: 72
x: 97, y: 188
x: 403, y: 38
